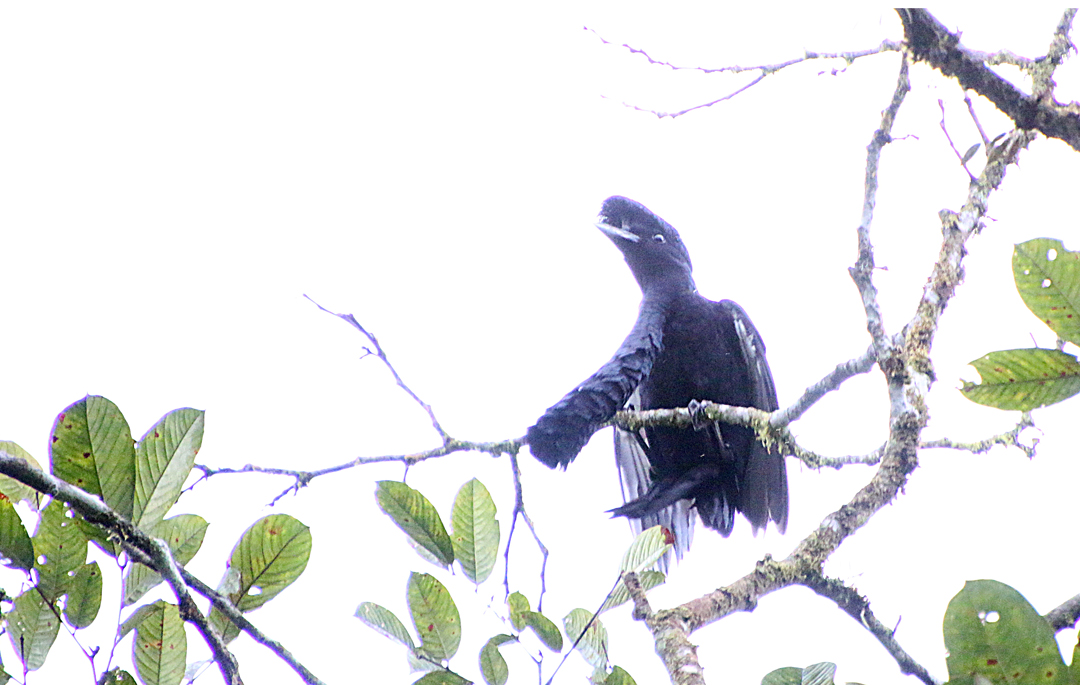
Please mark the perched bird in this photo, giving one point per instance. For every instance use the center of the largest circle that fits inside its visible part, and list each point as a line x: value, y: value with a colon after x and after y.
x: 683, y: 348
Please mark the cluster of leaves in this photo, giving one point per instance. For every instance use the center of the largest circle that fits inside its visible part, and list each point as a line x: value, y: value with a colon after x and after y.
x: 92, y: 449
x: 475, y: 545
x: 1048, y: 279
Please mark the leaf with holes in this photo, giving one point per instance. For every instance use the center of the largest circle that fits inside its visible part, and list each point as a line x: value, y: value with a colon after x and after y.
x: 992, y: 632
x: 492, y: 664
x: 1024, y: 379
x: 476, y: 531
x: 414, y: 514
x: 160, y: 646
x: 383, y: 621
x: 594, y: 645
x: 84, y: 596
x: 1048, y: 280
x: 619, y: 677
x: 435, y: 616
x: 184, y: 536
x: 32, y: 626
x: 59, y: 549
x: 271, y: 554
x: 92, y: 449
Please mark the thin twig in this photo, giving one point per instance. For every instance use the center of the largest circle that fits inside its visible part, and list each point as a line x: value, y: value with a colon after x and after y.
x: 378, y: 352
x: 762, y: 69
x: 519, y: 510
x: 1010, y: 438
x: 963, y: 158
x: 830, y: 382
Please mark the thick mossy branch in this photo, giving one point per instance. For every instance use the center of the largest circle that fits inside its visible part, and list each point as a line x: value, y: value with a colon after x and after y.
x: 931, y: 42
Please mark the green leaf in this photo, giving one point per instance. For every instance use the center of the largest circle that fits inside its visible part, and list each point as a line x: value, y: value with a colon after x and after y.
x: 992, y: 632
x: 59, y: 548
x: 619, y: 677
x: 92, y: 449
x: 819, y: 674
x: 136, y: 618
x: 435, y: 616
x: 15, y: 545
x: 164, y: 458
x: 621, y: 595
x: 84, y: 596
x: 646, y: 549
x: 11, y: 488
x: 160, y: 646
x: 118, y: 677
x: 271, y: 554
x: 384, y: 621
x: 1048, y: 280
x: 518, y: 605
x: 184, y: 536
x: 788, y: 675
x: 414, y: 514
x: 32, y: 626
x: 442, y: 677
x: 594, y: 645
x: 476, y: 531
x: 547, y: 631
x: 492, y: 664
x: 1024, y: 379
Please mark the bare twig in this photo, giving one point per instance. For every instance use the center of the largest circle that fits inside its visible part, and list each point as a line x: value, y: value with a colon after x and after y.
x: 302, y: 478
x: 963, y: 158
x: 519, y: 510
x: 830, y: 382
x: 762, y: 69
x: 1010, y: 438
x: 978, y: 124
x: 862, y: 272
x: 378, y: 352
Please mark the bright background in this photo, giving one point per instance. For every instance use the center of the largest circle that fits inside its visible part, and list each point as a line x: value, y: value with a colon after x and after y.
x: 174, y: 178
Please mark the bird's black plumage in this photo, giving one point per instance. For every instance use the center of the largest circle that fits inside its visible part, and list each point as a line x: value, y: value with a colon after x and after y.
x: 682, y: 348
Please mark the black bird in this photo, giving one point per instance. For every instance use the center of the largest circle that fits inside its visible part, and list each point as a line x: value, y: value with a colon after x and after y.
x: 682, y: 348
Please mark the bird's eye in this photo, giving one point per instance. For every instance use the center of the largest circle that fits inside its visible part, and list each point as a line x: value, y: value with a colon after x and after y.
x: 659, y: 238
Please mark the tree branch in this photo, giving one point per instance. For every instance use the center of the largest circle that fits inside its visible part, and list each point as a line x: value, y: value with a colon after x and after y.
x: 153, y: 554
x: 931, y: 42
x: 1064, y: 616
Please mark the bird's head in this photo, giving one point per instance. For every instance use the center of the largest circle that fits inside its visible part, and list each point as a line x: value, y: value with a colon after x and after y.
x: 651, y: 246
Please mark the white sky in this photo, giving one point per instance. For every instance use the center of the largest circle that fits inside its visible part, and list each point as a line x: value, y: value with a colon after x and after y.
x: 173, y: 179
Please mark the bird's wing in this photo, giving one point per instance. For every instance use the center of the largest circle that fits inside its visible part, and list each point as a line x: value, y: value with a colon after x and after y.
x: 566, y: 426
x: 764, y: 489
x: 632, y: 459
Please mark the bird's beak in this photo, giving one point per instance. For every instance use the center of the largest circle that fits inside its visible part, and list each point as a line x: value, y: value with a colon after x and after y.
x: 614, y: 232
